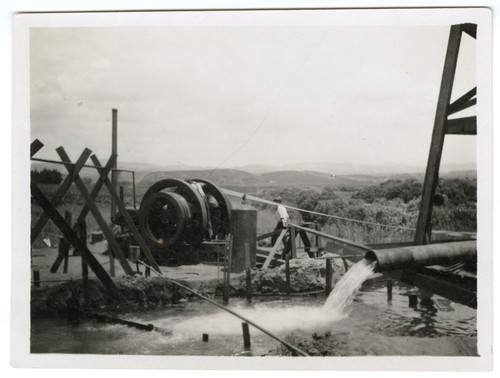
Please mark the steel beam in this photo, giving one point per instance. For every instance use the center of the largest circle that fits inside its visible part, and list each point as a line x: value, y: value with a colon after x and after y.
x: 438, y: 134
x: 463, y: 102
x: 462, y: 126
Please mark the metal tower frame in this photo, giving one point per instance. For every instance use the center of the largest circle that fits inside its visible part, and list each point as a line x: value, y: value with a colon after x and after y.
x: 443, y: 126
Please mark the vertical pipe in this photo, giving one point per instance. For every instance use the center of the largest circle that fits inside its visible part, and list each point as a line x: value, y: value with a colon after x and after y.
x: 36, y: 278
x: 389, y: 290
x: 114, y: 150
x: 248, y: 273
x: 329, y: 277
x: 133, y: 187
x: 246, y: 335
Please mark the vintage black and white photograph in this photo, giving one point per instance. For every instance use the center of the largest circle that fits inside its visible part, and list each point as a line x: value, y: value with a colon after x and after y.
x: 301, y: 185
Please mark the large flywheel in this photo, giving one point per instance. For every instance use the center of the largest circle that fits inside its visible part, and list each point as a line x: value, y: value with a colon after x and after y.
x: 177, y: 215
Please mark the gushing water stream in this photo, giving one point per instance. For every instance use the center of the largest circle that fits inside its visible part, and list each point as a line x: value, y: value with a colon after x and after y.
x: 366, y: 320
x: 339, y: 302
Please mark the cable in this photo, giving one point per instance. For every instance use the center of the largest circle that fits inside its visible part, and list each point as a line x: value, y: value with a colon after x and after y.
x: 289, y: 346
x: 261, y: 200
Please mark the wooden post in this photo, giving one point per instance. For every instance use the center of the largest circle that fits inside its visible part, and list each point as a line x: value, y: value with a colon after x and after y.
x: 63, y: 251
x: 248, y: 272
x: 329, y: 277
x: 114, y: 150
x: 147, y: 272
x: 389, y: 290
x: 287, y: 274
x: 246, y: 335
x: 65, y: 255
x: 81, y: 228
x: 413, y: 300
x: 36, y: 278
x: 85, y: 280
x: 227, y: 271
x: 205, y: 337
x: 292, y: 242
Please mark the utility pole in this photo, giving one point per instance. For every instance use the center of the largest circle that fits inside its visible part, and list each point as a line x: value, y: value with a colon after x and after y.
x: 114, y: 150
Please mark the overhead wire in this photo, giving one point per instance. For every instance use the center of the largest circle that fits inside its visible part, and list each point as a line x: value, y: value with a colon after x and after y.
x: 261, y: 200
x: 261, y: 123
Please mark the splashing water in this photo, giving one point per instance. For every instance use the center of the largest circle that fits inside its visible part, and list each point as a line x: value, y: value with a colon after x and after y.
x: 340, y: 299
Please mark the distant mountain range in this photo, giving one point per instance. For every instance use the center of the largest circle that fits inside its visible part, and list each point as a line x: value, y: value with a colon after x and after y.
x: 351, y: 169
x: 250, y: 182
x: 251, y: 178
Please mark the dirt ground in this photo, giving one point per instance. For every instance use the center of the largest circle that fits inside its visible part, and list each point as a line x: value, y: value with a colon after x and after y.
x: 56, y: 289
x: 43, y: 260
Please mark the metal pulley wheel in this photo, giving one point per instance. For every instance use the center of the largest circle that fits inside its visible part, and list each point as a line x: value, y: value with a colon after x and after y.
x: 181, y: 195
x: 219, y: 207
x: 165, y: 218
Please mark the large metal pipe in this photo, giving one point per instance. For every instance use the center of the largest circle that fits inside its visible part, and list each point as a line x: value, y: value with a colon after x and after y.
x: 423, y: 255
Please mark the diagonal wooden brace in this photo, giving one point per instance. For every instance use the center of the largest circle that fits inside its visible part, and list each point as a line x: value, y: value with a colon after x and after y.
x: 113, y: 244
x: 83, y: 213
x: 63, y: 247
x: 275, y: 248
x: 77, y: 243
x: 36, y: 146
x: 73, y: 171
x: 103, y: 174
x: 128, y: 220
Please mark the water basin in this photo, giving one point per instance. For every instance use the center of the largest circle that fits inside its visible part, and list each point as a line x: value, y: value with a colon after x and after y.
x: 373, y: 326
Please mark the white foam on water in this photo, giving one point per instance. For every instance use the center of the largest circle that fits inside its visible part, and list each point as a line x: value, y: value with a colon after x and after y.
x: 273, y: 318
x: 339, y: 302
x: 278, y: 318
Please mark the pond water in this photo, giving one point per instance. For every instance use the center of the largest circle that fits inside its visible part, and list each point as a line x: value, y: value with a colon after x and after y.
x: 393, y: 326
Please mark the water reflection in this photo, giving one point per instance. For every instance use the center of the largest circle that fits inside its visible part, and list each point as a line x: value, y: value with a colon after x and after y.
x: 372, y: 318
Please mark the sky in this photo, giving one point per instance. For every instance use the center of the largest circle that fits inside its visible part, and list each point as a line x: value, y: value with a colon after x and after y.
x: 232, y: 96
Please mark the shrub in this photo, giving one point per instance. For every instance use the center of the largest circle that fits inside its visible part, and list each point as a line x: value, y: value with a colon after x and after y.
x: 46, y: 176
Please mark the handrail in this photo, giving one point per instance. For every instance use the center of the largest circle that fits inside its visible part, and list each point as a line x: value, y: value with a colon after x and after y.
x: 328, y: 236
